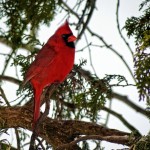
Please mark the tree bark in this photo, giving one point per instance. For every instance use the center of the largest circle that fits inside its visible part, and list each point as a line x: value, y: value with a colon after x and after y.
x: 60, y: 132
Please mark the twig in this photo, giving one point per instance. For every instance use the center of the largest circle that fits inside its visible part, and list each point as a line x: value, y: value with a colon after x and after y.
x: 18, y: 139
x: 129, y: 102
x: 82, y: 49
x: 123, y: 120
x: 68, y: 8
x: 32, y: 141
x: 7, y: 61
x: 112, y: 49
x: 118, y: 27
x: 90, y: 55
x: 85, y: 24
x: 102, y: 40
x: 4, y: 96
x: 108, y: 113
x: 40, y: 143
x: 10, y: 79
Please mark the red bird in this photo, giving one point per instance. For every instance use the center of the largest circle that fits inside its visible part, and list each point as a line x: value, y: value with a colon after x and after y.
x: 52, y: 64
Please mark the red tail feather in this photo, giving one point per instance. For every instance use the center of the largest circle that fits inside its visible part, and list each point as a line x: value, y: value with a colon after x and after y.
x: 37, y: 102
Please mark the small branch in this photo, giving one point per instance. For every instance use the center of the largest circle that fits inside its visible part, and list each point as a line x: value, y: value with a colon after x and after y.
x: 92, y: 4
x: 129, y: 102
x: 69, y: 9
x: 40, y: 143
x: 7, y: 61
x: 17, y: 139
x: 123, y: 120
x: 82, y: 49
x: 10, y: 79
x: 4, y: 96
x: 112, y: 49
x: 109, y: 111
x: 28, y: 47
x: 118, y: 27
x: 112, y: 139
x: 90, y: 55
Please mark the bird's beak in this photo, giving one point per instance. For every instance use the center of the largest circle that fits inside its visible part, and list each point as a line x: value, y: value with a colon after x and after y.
x: 71, y: 38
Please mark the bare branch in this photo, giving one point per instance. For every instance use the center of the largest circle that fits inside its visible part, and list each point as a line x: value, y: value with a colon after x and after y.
x: 92, y: 5
x: 123, y: 120
x: 10, y: 79
x: 17, y: 139
x: 112, y: 139
x: 90, y: 55
x: 112, y: 49
x: 7, y: 61
x: 4, y: 96
x: 118, y: 27
x: 102, y: 40
x: 130, y: 103
x: 9, y: 44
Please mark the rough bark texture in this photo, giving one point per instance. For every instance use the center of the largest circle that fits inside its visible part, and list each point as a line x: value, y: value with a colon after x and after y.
x: 60, y: 132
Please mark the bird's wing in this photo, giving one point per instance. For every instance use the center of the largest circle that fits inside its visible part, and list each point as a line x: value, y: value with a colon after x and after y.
x: 44, y: 57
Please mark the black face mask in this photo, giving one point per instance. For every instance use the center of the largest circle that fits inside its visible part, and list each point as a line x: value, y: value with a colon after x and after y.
x: 65, y: 37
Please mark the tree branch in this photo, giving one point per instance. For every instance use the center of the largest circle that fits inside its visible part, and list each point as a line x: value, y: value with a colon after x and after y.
x: 92, y: 5
x: 87, y: 75
x: 101, y: 39
x: 109, y: 111
x: 55, y: 132
x: 112, y: 49
x: 118, y: 27
x: 112, y: 139
x: 123, y: 120
x: 129, y: 102
x: 28, y: 47
x: 10, y: 79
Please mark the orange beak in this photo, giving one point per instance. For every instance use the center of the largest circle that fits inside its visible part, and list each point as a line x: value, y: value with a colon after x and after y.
x: 71, y: 38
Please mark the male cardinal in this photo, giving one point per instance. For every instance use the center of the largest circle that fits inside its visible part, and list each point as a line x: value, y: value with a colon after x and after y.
x: 52, y: 64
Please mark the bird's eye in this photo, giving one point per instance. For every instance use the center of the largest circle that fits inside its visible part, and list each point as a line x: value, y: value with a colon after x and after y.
x: 64, y: 35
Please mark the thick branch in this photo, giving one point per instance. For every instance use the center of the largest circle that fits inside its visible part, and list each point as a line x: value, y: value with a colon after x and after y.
x: 55, y: 132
